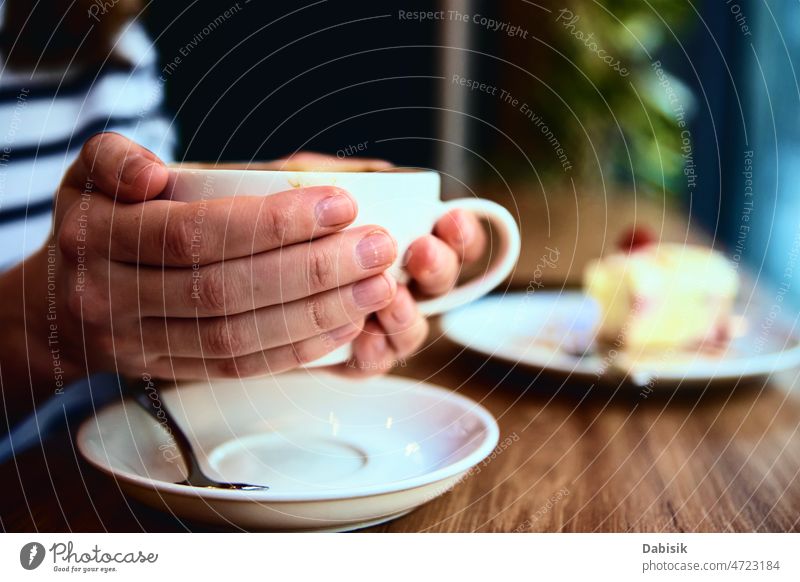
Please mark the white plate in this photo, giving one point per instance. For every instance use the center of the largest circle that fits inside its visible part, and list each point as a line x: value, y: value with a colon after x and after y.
x: 336, y: 454
x: 553, y: 331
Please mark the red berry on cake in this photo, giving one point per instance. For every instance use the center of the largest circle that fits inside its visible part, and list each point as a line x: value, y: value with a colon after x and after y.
x: 635, y: 238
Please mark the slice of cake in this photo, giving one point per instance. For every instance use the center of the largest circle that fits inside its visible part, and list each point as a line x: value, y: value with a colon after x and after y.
x: 663, y: 296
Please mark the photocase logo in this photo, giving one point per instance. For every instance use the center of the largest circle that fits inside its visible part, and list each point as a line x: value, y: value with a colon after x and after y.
x: 31, y: 555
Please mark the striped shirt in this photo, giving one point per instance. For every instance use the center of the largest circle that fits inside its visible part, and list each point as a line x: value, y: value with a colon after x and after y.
x: 45, y: 116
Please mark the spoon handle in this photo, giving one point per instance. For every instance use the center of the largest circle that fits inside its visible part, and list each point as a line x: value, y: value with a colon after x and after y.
x: 147, y: 395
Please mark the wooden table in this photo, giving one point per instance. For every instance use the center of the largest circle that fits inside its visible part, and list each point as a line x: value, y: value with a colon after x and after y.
x: 575, y: 460
x: 721, y: 459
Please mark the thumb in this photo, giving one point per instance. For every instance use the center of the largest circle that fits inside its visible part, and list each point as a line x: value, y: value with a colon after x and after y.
x: 119, y: 168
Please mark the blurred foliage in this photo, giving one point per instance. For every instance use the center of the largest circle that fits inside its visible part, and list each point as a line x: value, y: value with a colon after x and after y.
x: 599, y: 92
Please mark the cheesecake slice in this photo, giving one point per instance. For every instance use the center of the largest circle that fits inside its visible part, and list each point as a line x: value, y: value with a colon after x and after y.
x: 663, y: 297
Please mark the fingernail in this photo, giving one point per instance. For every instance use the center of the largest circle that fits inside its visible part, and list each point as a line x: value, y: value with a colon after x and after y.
x: 372, y: 291
x: 342, y: 332
x: 335, y: 210
x: 379, y: 345
x: 431, y: 261
x: 374, y: 250
x: 406, y: 258
x: 132, y: 167
x: 403, y: 311
x: 466, y: 231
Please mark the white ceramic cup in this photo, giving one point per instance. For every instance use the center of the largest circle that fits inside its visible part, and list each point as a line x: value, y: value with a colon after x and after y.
x: 405, y: 203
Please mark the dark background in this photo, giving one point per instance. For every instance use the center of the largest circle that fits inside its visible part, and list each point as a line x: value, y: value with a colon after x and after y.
x: 268, y: 82
x: 274, y: 78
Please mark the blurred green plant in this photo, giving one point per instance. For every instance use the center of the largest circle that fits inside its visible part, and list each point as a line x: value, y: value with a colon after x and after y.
x: 615, y: 110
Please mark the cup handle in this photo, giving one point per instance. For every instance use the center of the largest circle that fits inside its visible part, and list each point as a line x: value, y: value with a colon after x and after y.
x: 463, y: 294
x: 500, y: 268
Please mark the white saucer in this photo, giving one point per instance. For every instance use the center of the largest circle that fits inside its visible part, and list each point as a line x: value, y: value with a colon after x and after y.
x: 336, y: 454
x: 553, y: 331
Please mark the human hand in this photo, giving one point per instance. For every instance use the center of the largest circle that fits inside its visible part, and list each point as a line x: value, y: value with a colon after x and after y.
x: 433, y: 262
x: 221, y: 288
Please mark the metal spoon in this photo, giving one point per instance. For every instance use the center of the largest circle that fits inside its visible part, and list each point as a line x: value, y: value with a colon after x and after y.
x: 146, y: 394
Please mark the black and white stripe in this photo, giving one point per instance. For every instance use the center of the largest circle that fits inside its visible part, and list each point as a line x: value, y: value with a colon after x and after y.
x: 45, y: 118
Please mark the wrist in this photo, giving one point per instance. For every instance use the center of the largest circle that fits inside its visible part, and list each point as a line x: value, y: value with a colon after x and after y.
x: 34, y: 362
